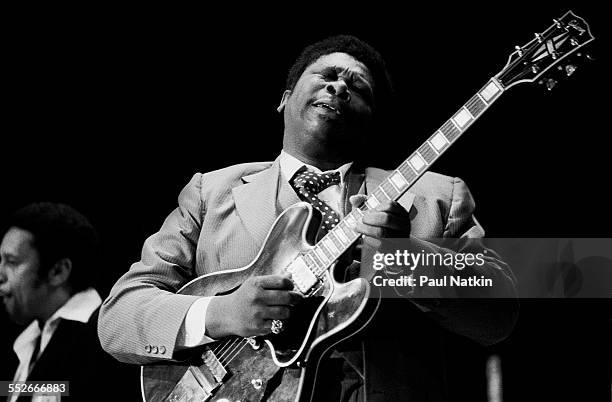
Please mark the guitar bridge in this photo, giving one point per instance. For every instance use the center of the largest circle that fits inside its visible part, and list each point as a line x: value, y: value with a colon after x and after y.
x: 214, y: 365
x: 198, y: 384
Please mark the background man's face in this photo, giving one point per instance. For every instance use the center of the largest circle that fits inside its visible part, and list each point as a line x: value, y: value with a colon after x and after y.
x: 20, y: 287
x: 332, y: 100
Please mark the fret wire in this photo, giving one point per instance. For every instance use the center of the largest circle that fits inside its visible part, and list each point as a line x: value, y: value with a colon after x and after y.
x: 350, y: 233
x: 450, y: 131
x: 316, y: 259
x: 387, y: 186
x: 455, y: 124
x: 321, y: 254
x: 384, y: 194
x: 475, y: 105
x: 407, y: 172
x: 358, y: 212
x: 482, y: 99
x: 341, y: 236
x: 335, y: 240
x: 372, y: 202
x: 308, y: 260
x: 427, y: 152
x: 330, y: 245
x: 325, y: 250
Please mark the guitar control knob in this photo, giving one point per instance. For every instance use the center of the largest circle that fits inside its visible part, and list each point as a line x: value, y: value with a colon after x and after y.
x: 257, y: 383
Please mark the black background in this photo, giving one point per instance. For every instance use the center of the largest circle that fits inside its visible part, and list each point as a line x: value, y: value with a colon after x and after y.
x: 112, y: 111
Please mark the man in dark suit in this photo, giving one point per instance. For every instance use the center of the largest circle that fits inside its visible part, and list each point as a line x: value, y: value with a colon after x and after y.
x: 337, y: 92
x: 48, y: 268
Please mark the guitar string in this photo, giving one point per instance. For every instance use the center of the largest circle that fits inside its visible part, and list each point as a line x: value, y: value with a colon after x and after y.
x: 225, y: 346
x: 217, y: 351
x: 230, y: 349
x: 237, y: 353
x: 220, y: 345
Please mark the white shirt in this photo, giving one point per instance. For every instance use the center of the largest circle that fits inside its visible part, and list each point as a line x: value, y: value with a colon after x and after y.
x: 79, y: 307
x: 192, y: 332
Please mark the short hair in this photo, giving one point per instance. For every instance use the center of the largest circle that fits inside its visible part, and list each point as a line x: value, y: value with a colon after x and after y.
x: 360, y: 50
x: 59, y: 232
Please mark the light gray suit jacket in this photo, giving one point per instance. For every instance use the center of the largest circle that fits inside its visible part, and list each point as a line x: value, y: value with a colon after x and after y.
x: 221, y: 222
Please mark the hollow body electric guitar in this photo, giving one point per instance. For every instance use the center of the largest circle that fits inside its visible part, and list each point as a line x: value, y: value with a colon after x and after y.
x: 249, y: 369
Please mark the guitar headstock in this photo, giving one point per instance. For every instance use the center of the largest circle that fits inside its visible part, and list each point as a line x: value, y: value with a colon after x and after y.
x: 558, y: 52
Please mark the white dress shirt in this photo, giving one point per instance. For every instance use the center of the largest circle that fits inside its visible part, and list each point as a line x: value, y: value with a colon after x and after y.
x: 192, y: 332
x: 79, y: 307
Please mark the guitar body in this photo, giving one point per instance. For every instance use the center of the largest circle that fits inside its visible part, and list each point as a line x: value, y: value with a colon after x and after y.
x: 283, y: 366
x: 331, y: 313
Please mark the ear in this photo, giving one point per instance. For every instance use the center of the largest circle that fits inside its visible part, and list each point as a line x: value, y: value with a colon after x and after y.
x: 60, y: 272
x: 283, y: 102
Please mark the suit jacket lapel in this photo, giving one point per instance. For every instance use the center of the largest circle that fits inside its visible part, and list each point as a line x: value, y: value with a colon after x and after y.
x: 265, y: 195
x: 286, y: 195
x: 256, y: 200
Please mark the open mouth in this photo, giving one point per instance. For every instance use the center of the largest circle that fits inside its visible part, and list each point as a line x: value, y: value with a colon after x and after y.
x: 327, y: 106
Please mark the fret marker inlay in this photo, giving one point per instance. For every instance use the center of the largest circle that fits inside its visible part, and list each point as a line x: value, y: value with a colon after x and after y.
x: 417, y: 162
x: 489, y: 91
x: 462, y: 118
x: 372, y: 202
x: 398, y: 180
x: 439, y: 141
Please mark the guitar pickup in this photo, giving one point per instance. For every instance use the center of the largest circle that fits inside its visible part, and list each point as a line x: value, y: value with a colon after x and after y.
x: 303, y: 278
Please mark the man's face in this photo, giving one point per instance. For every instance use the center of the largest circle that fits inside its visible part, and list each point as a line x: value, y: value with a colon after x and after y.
x: 331, y: 104
x: 20, y: 287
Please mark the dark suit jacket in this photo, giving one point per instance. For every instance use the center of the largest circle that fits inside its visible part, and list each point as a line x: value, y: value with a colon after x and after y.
x: 74, y: 354
x: 221, y: 222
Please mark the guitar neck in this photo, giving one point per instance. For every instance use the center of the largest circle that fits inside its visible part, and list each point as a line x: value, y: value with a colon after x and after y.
x: 343, y: 235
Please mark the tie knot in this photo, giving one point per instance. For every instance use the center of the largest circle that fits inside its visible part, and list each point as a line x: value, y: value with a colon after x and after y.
x: 315, y: 182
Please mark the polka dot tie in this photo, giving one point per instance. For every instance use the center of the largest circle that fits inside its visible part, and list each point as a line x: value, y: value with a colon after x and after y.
x: 308, y: 185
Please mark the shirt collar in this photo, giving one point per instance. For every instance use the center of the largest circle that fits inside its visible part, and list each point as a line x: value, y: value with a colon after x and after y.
x: 289, y: 165
x: 79, y: 307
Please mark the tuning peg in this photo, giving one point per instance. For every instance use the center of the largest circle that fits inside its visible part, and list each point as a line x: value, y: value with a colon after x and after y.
x: 557, y: 23
x: 519, y: 50
x: 535, y: 69
x: 586, y: 55
x: 570, y: 69
x: 549, y: 83
x: 574, y: 42
x: 538, y: 37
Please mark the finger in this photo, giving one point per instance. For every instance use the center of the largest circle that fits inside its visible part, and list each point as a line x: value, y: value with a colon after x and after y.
x: 357, y: 200
x: 281, y: 297
x: 369, y: 230
x: 386, y: 220
x: 276, y: 313
x: 372, y: 242
x: 392, y: 207
x: 275, y: 282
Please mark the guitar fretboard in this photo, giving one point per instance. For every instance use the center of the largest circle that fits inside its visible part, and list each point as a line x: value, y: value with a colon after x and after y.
x: 341, y: 237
